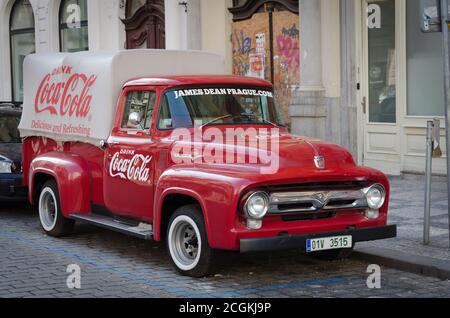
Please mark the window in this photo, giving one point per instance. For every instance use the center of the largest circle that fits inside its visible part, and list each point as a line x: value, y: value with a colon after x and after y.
x: 382, y: 67
x: 165, y: 116
x: 73, y: 26
x: 424, y: 66
x: 22, y: 43
x: 139, y: 110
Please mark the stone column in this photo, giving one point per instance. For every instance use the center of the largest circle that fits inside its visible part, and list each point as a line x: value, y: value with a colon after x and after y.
x: 183, y: 25
x: 175, y: 25
x: 42, y: 25
x: 106, y: 30
x: 349, y: 114
x: 308, y: 114
x: 194, y: 25
x: 216, y: 26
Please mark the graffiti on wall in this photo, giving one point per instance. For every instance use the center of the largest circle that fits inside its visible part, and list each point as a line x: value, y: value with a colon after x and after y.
x: 288, y: 46
x: 249, y: 56
x: 286, y: 62
x: 249, y: 47
x: 251, y: 53
x: 242, y: 46
x: 244, y: 43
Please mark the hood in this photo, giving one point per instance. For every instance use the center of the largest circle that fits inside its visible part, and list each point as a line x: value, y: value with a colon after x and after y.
x: 12, y: 151
x: 288, y: 156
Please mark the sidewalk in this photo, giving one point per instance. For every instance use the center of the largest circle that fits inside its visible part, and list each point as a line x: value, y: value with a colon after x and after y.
x: 407, y: 252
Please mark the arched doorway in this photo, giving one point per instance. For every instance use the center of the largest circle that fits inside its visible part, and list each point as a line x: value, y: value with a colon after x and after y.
x: 145, y: 24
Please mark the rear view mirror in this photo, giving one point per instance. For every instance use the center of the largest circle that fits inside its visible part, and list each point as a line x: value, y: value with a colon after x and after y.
x: 134, y: 119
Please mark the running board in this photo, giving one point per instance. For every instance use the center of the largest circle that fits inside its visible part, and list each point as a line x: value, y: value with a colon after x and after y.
x: 143, y: 230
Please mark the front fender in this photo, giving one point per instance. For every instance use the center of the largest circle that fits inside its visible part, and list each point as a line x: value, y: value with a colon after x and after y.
x: 72, y: 175
x: 218, y: 196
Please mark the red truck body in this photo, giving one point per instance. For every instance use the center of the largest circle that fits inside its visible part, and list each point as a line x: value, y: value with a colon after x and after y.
x: 152, y: 187
x: 83, y: 180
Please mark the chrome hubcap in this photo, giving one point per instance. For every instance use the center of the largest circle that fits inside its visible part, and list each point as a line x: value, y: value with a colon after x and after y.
x: 190, y: 242
x: 47, y: 209
x: 184, y: 244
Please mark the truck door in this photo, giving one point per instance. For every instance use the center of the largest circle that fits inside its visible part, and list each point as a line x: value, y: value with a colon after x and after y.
x: 129, y: 165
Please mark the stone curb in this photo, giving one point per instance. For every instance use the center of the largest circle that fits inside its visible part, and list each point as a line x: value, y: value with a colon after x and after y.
x: 427, y: 266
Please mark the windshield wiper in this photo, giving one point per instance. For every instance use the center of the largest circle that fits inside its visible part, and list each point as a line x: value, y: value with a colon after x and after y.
x: 269, y: 122
x: 235, y: 116
x: 214, y: 120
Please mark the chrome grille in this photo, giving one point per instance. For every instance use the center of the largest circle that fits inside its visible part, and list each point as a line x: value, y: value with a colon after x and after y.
x: 316, y: 201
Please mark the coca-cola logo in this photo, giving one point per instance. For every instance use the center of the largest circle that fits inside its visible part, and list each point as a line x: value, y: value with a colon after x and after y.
x: 136, y: 168
x: 68, y: 97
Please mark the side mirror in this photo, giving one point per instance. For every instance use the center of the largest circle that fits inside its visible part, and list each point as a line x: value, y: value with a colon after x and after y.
x: 134, y: 119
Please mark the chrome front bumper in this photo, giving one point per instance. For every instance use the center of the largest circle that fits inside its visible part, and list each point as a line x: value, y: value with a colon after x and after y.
x: 316, y: 201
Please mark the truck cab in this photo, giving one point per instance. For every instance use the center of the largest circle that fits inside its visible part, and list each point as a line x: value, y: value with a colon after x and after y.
x: 203, y: 162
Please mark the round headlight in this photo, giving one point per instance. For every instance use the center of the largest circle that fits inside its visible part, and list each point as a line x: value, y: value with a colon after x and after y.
x: 375, y: 196
x: 257, y: 205
x: 6, y: 165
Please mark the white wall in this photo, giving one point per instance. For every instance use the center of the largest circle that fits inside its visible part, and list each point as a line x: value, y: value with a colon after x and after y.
x: 106, y: 30
x: 216, y: 28
x: 331, y: 50
x: 183, y: 25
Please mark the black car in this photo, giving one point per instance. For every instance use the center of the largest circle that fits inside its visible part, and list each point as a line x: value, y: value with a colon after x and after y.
x: 11, y: 187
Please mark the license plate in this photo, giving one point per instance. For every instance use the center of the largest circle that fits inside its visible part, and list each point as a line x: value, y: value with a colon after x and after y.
x: 328, y: 243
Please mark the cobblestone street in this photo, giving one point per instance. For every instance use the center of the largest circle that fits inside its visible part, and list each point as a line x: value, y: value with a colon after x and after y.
x: 406, y: 209
x: 114, y: 265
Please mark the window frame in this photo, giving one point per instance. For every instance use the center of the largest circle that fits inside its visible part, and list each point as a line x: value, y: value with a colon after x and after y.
x: 12, y: 33
x: 160, y: 106
x: 145, y: 131
x: 63, y: 25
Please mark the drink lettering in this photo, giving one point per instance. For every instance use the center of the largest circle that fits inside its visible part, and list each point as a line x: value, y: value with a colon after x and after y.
x: 134, y: 169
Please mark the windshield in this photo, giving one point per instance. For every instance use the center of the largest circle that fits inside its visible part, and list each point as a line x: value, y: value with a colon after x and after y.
x: 8, y: 130
x: 218, y: 106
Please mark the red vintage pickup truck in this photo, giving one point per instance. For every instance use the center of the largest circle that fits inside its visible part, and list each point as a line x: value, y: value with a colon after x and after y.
x: 201, y: 161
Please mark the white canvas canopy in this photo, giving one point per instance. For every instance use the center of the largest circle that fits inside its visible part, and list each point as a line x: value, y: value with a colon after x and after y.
x: 73, y: 96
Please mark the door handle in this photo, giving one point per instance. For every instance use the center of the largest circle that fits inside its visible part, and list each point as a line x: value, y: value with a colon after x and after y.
x: 105, y: 143
x: 364, y: 105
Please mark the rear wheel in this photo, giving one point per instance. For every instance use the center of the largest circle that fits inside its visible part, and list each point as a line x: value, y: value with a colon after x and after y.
x: 332, y: 255
x: 52, y: 220
x: 187, y: 242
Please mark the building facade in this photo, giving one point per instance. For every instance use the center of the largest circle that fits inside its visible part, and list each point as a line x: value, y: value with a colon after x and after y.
x: 370, y: 80
x: 359, y: 73
x: 28, y: 26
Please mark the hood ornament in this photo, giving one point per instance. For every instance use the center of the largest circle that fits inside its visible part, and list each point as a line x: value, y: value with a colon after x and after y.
x: 319, y: 161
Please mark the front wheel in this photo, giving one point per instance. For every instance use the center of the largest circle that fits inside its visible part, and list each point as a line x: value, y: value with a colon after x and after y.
x: 52, y: 220
x: 187, y: 242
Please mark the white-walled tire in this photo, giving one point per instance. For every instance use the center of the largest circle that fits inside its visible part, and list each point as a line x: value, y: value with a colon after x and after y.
x: 187, y: 242
x: 52, y: 220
